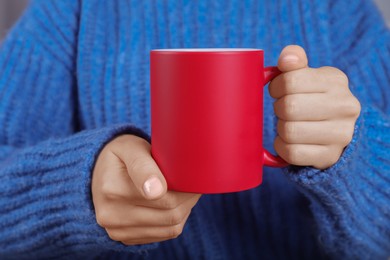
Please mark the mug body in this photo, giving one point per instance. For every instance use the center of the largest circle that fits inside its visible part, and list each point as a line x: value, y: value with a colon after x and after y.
x: 207, y: 118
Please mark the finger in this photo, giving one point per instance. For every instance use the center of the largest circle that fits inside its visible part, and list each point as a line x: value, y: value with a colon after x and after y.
x: 170, y: 200
x: 321, y: 132
x: 308, y: 80
x: 319, y: 156
x: 314, y: 107
x: 297, y: 82
x: 117, y: 215
x: 135, y: 235
x: 154, y: 239
x: 292, y: 57
x: 142, y: 169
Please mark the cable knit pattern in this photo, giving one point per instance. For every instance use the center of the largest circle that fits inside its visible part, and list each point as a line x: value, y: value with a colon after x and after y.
x: 75, y: 74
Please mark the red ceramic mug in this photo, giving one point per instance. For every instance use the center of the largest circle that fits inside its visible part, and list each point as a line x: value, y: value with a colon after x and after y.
x: 207, y: 118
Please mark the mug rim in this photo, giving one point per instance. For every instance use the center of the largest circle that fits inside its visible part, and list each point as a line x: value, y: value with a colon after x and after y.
x: 206, y: 50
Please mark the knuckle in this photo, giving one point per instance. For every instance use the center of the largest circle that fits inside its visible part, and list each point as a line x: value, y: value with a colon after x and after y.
x: 103, y: 218
x: 341, y: 76
x: 356, y: 107
x: 168, y: 203
x: 292, y: 153
x: 288, y: 132
x: 109, y: 192
x: 330, y: 157
x: 176, y: 217
x: 175, y: 231
x: 289, y: 107
x: 336, y: 73
x: 334, y: 160
x: 114, y: 235
x: 352, y: 107
x: 347, y: 137
x: 290, y: 79
x: 336, y: 77
x: 141, y: 164
x: 334, y: 157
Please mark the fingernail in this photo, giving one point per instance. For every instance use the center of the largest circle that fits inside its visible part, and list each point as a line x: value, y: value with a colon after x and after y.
x: 290, y: 58
x: 153, y: 187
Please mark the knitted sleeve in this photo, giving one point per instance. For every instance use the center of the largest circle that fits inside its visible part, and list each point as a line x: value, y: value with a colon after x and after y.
x: 45, y: 161
x: 351, y: 200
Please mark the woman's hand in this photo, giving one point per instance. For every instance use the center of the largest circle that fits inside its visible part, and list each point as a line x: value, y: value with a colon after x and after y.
x: 131, y: 198
x: 317, y: 112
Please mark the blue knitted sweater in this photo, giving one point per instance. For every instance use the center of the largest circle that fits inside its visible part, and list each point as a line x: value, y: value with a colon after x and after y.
x: 75, y: 74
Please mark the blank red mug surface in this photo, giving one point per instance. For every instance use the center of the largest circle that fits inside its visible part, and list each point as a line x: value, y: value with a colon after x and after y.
x: 207, y: 118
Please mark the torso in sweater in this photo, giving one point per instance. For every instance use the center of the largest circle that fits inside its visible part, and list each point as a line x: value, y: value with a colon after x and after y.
x: 116, y: 37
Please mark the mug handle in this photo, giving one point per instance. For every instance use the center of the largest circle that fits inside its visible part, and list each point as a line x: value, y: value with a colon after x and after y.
x: 269, y: 159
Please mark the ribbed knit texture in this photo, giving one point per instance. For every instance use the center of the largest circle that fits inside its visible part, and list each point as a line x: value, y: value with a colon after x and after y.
x: 75, y: 74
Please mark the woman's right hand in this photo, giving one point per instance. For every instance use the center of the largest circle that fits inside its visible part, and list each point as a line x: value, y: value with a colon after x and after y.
x: 130, y: 195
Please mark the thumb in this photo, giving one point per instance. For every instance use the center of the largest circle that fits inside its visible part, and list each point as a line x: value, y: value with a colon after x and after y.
x: 142, y: 169
x: 292, y: 57
x: 148, y: 178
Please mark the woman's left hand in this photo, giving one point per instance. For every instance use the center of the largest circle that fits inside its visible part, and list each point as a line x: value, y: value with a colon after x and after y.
x: 316, y: 110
